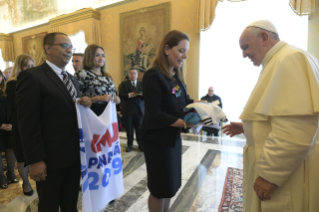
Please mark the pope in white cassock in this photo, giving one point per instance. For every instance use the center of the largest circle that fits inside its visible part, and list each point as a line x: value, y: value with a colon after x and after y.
x: 280, y: 123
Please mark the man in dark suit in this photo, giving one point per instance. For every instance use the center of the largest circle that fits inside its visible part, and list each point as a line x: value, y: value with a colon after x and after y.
x: 47, y: 121
x: 211, y: 97
x: 132, y: 107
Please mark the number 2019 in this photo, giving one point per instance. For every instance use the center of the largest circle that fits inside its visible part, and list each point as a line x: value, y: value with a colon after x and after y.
x: 116, y: 165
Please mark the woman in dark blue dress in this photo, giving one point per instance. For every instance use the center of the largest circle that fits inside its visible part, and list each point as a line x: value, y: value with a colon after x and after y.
x: 165, y: 97
x: 5, y: 139
x: 22, y: 63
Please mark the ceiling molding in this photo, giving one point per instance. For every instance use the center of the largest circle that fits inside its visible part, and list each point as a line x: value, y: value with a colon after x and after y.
x: 75, y: 16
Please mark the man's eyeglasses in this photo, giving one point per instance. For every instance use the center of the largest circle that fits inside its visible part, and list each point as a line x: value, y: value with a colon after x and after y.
x: 65, y: 46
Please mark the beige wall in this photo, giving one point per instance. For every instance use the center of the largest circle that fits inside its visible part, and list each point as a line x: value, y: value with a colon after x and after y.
x: 17, y: 37
x: 183, y: 18
x: 313, y: 33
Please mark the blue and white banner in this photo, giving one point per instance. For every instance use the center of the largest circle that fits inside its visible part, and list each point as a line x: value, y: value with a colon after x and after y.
x: 101, y: 163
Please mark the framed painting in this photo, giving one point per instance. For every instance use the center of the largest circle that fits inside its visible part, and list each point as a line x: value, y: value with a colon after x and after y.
x: 141, y: 33
x: 32, y: 45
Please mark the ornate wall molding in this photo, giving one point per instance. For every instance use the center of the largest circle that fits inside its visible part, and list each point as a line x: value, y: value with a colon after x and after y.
x: 75, y: 16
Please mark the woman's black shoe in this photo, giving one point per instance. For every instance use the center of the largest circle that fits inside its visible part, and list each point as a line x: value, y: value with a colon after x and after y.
x: 4, y: 186
x: 29, y: 193
x: 15, y: 180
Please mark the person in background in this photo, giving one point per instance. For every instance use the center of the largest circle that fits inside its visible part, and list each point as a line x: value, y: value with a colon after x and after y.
x: 7, y: 73
x: 21, y: 63
x: 165, y: 96
x: 77, y: 62
x: 130, y: 92
x: 94, y: 81
x: 5, y: 139
x: 211, y: 97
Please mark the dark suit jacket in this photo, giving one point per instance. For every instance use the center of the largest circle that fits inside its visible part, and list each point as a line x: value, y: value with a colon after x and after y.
x: 212, y: 99
x: 130, y: 104
x: 161, y: 109
x: 47, y: 119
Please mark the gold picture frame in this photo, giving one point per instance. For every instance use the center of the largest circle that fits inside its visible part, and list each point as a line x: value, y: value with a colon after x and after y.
x: 33, y: 46
x: 141, y: 33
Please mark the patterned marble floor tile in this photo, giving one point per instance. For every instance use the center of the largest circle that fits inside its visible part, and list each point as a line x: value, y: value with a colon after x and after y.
x: 15, y: 189
x: 135, y: 195
x: 210, y: 194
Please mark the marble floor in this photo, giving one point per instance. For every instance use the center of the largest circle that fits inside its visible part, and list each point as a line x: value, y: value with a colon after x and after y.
x: 204, y: 165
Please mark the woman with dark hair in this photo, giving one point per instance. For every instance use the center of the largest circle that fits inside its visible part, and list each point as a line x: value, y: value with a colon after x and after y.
x: 94, y: 81
x: 5, y: 139
x: 22, y: 63
x: 165, y: 96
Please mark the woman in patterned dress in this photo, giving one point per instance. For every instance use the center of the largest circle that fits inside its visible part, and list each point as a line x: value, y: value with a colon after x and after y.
x: 94, y: 81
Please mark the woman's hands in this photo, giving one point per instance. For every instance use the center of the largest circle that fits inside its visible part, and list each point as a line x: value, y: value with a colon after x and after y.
x: 108, y: 98
x: 85, y: 101
x: 117, y: 100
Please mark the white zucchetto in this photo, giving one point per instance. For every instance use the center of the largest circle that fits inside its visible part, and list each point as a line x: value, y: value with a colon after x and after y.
x: 264, y: 24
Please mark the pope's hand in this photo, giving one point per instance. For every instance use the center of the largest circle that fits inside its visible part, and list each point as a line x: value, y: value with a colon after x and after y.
x: 263, y: 188
x: 38, y: 171
x: 234, y: 128
x: 85, y: 101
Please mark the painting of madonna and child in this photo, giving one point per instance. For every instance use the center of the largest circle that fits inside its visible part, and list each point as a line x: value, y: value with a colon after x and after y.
x: 141, y: 33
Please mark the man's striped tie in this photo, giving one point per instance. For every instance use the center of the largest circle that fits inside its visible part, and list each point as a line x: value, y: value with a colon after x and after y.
x: 69, y: 85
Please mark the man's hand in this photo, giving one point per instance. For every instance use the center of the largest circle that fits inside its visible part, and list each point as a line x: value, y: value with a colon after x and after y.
x: 3, y: 127
x: 234, y: 128
x: 8, y: 127
x: 38, y: 171
x: 85, y: 101
x: 131, y: 95
x: 263, y: 188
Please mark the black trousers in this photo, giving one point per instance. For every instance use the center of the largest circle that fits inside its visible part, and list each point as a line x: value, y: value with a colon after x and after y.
x: 133, y: 121
x: 60, y: 189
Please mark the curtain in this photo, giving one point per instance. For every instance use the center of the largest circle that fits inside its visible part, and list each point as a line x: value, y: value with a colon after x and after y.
x: 206, y: 10
x: 302, y: 7
x: 7, y: 49
x: 206, y: 13
x: 90, y: 26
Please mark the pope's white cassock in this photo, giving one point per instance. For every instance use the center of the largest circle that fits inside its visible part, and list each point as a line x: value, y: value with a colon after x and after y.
x: 280, y: 123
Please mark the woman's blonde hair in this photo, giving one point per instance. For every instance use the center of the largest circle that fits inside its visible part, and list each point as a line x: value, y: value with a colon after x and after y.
x: 171, y: 39
x: 89, y: 59
x: 20, y: 62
